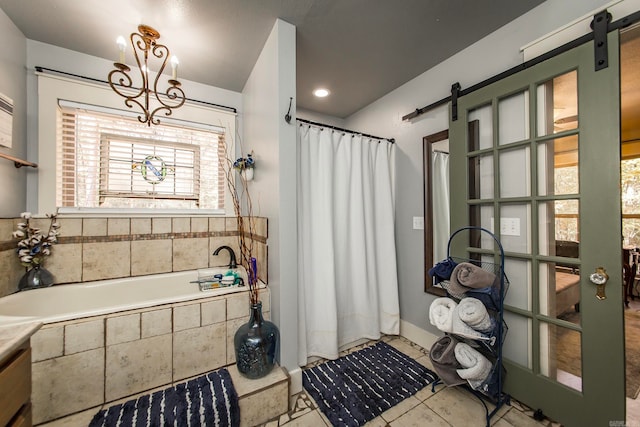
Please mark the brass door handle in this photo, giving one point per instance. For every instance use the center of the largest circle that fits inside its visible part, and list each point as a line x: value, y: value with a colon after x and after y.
x: 600, y: 278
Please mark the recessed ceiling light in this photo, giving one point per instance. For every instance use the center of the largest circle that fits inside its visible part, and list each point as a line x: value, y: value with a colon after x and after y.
x: 321, y: 93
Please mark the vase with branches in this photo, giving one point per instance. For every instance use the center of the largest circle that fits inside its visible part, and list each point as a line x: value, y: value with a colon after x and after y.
x: 33, y: 247
x: 257, y: 341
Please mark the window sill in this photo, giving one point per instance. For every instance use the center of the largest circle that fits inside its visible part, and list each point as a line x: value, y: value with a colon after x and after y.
x: 68, y: 212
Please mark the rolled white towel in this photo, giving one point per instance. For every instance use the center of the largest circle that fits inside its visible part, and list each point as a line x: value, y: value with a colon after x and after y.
x: 441, y: 313
x: 461, y: 328
x: 473, y: 312
x: 476, y: 367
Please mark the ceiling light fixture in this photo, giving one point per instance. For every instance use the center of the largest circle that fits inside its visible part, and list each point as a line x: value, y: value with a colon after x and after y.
x: 321, y: 93
x: 145, y: 44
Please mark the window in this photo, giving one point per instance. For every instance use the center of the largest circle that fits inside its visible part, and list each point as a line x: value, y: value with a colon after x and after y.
x: 61, y: 99
x: 114, y: 161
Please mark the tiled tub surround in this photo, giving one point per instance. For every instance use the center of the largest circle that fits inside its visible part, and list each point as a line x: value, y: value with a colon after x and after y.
x: 83, y: 363
x: 105, y: 248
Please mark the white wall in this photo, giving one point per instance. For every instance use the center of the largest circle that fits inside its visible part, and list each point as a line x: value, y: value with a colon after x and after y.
x: 493, y: 54
x: 273, y: 190
x: 13, y: 84
x: 57, y: 58
x: 320, y: 118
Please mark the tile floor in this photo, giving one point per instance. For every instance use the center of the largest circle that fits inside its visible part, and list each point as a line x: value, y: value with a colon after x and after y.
x: 447, y: 406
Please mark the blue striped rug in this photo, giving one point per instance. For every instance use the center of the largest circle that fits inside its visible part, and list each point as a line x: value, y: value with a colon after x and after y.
x: 209, y: 400
x: 360, y: 386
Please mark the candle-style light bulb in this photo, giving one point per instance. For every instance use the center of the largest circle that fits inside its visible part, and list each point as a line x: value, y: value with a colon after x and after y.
x: 174, y: 67
x: 122, y: 45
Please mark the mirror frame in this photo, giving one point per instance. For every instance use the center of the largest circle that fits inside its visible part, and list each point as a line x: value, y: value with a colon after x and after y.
x: 428, y: 208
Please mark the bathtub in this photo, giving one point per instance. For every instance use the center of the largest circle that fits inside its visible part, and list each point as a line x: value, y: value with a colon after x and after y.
x: 79, y: 300
x: 114, y: 339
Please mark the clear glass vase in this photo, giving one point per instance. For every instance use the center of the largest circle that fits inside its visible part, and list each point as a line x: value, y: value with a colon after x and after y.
x: 256, y: 345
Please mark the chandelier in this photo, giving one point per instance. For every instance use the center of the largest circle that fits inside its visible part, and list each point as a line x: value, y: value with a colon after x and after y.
x: 146, y: 47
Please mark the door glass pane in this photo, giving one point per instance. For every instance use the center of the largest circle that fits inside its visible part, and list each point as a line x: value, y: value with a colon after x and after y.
x: 481, y: 177
x: 519, y: 273
x: 630, y: 186
x: 514, y: 227
x: 513, y: 118
x: 559, y: 231
x: 558, y: 104
x: 480, y: 128
x: 517, y: 346
x: 558, y: 166
x: 561, y: 354
x: 559, y: 290
x: 515, y: 173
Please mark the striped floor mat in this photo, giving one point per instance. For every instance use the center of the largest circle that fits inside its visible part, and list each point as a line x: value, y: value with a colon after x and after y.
x: 209, y: 400
x: 360, y: 386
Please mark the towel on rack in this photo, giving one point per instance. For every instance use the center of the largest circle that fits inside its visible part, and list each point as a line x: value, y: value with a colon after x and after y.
x: 441, y: 313
x: 443, y: 359
x: 473, y: 312
x: 467, y: 276
x: 442, y: 270
x: 476, y: 367
x: 459, y: 327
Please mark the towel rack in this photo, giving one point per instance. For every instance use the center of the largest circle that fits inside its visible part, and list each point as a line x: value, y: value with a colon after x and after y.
x: 491, y: 388
x: 18, y: 163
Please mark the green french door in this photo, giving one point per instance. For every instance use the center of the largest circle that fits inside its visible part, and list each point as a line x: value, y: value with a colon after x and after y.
x: 535, y: 158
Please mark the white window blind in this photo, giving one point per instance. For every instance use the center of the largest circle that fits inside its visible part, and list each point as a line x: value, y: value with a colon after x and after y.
x: 112, y: 161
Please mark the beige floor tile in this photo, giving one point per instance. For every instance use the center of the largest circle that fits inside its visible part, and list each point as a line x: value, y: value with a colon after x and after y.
x: 402, y: 407
x: 80, y: 419
x: 426, y: 362
x: 419, y: 416
x: 518, y: 419
x: 310, y: 419
x: 377, y: 422
x: 406, y: 348
x: 458, y: 407
x: 426, y: 392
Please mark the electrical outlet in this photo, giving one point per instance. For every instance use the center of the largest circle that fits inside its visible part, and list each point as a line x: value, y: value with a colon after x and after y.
x: 418, y: 223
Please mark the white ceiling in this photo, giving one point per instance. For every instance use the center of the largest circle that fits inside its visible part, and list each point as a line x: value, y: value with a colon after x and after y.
x: 359, y: 49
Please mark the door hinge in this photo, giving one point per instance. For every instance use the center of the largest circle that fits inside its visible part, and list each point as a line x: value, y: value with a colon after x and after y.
x: 600, y: 27
x: 455, y: 92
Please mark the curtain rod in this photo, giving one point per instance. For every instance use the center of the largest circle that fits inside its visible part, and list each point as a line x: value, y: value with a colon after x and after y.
x: 391, y: 140
x: 620, y: 23
x: 50, y: 70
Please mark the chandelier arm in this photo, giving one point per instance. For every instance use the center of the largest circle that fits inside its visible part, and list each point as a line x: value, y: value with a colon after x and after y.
x: 120, y: 77
x: 152, y: 117
x: 130, y: 100
x: 173, y: 92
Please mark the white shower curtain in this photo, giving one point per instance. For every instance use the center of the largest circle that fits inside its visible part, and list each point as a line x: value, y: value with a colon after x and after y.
x: 347, y: 277
x: 440, y: 191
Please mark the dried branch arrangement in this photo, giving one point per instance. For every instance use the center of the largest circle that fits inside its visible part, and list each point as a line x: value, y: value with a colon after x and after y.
x: 241, y: 197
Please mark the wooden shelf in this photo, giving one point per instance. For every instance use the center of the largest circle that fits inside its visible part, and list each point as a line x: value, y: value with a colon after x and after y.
x: 18, y: 162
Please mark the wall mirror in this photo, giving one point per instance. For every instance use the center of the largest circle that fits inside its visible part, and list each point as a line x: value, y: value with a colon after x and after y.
x: 436, y: 204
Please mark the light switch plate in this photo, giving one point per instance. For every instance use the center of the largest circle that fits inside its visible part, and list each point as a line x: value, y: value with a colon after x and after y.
x: 510, y: 226
x: 418, y: 223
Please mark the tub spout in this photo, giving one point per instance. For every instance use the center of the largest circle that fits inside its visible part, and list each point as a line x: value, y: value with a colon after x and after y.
x: 232, y: 256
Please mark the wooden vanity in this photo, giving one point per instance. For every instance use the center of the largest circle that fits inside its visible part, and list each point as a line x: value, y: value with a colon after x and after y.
x: 15, y: 374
